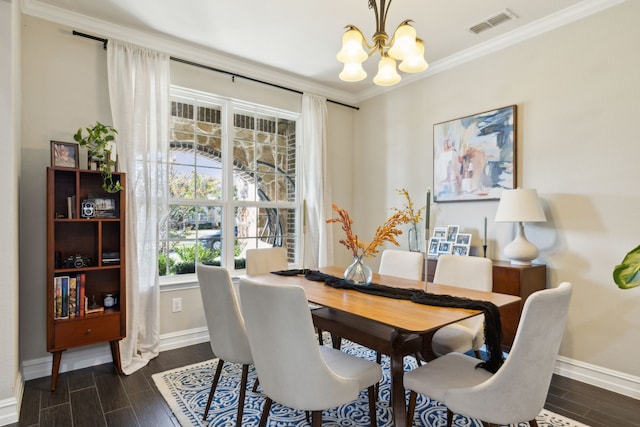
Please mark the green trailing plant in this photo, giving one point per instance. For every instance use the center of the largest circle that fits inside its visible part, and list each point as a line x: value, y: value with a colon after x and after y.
x: 97, y: 141
x: 627, y: 274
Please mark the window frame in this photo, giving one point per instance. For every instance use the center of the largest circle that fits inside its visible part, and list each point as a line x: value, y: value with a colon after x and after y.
x: 229, y: 107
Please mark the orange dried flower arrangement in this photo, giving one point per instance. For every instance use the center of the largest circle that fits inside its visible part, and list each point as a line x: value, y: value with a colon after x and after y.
x: 387, y: 232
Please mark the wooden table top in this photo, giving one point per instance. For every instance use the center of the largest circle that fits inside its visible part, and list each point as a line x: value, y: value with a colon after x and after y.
x: 403, y: 315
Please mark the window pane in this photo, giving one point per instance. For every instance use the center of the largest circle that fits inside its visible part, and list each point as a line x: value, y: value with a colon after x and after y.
x: 261, y: 149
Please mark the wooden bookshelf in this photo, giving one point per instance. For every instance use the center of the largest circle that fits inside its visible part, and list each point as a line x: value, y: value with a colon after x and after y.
x: 85, y: 237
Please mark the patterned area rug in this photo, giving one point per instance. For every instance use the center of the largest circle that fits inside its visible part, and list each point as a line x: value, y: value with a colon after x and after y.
x: 186, y: 391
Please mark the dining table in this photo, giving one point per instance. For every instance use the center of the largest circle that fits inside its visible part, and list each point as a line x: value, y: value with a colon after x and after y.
x: 394, y: 327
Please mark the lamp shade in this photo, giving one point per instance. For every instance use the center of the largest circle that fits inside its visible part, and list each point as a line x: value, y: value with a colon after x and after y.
x: 522, y: 205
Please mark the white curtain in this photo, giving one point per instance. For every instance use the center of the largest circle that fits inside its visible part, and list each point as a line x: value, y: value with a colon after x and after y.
x: 318, y: 249
x: 139, y: 95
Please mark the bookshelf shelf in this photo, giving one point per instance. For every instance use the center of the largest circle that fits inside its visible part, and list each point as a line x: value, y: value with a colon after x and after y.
x: 82, y: 250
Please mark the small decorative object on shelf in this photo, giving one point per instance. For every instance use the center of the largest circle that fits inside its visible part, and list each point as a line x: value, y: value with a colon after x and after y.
x: 387, y: 232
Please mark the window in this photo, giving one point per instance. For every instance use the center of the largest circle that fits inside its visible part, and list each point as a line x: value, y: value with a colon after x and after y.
x: 233, y: 182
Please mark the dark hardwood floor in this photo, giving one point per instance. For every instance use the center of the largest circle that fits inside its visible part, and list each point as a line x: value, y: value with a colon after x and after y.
x: 97, y: 396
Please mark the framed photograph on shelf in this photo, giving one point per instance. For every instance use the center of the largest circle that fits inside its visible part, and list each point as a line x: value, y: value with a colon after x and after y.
x: 444, y: 247
x: 452, y: 233
x: 64, y: 154
x: 463, y: 239
x: 432, y: 250
x: 474, y: 157
x: 462, y: 250
x: 440, y: 233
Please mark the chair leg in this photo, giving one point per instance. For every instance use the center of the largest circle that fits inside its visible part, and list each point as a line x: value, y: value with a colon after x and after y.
x: 320, y: 340
x: 216, y: 377
x: 449, y: 417
x: 533, y: 423
x: 411, y: 407
x: 478, y: 354
x: 372, y: 406
x: 418, y: 359
x: 243, y: 392
x: 316, y: 418
x: 265, y: 412
x: 255, y: 385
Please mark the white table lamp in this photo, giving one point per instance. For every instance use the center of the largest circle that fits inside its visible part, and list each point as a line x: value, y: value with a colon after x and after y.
x: 520, y: 205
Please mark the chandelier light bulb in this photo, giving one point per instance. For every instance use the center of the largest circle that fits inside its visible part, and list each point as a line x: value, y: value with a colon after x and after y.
x: 404, y: 42
x: 387, y: 74
x: 352, y: 50
x: 415, y: 63
x: 353, y: 72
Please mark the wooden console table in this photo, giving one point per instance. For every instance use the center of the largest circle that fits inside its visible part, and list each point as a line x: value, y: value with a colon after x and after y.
x: 520, y: 280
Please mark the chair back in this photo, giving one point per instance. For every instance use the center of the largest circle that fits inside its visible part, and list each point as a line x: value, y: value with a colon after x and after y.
x: 404, y: 264
x: 287, y: 356
x: 266, y: 260
x: 227, y: 333
x: 468, y: 272
x: 524, y: 378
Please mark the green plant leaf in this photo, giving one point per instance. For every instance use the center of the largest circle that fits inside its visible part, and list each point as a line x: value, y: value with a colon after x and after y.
x: 627, y: 274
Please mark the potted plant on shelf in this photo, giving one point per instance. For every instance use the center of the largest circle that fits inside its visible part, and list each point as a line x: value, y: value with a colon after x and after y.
x: 99, y: 143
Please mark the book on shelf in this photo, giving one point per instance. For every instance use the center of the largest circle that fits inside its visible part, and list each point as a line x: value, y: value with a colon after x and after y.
x: 71, y: 207
x: 65, y: 297
x: 69, y: 296
x: 81, y: 298
x: 72, y: 297
x: 57, y: 300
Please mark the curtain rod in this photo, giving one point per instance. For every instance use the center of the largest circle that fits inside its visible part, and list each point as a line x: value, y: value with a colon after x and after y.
x: 217, y: 70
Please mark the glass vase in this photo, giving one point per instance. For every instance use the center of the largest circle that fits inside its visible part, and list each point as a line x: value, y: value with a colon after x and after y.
x: 414, y: 238
x: 358, y: 273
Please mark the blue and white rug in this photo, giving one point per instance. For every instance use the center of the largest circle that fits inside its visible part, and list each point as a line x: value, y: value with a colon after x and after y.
x: 186, y: 391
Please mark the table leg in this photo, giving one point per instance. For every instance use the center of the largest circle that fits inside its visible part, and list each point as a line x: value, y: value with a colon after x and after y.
x: 397, y: 380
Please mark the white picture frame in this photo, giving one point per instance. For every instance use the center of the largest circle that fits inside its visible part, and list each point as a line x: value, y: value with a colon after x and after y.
x: 463, y: 239
x: 440, y: 233
x: 460, y: 250
x: 452, y: 233
x: 444, y: 247
x: 432, y: 249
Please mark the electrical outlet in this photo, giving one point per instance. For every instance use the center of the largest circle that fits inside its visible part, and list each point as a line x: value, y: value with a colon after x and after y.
x: 176, y: 305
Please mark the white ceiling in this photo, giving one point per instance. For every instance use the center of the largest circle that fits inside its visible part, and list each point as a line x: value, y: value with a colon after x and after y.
x: 302, y: 37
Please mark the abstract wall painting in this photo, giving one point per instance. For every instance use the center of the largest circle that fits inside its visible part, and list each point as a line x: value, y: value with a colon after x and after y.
x: 474, y: 157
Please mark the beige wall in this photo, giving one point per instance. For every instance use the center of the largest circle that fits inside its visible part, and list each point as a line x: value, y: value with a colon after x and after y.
x: 577, y: 92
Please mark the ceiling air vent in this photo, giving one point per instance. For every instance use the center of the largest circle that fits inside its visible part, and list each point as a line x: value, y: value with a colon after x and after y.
x: 493, y: 21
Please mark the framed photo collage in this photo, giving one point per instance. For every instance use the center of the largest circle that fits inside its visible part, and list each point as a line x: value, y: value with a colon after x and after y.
x: 448, y: 240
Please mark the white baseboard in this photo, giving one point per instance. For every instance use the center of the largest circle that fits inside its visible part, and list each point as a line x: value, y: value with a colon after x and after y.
x: 608, y: 379
x: 85, y: 357
x: 10, y: 408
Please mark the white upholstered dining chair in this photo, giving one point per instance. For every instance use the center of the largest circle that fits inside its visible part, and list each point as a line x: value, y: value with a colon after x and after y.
x: 405, y: 264
x: 227, y: 333
x: 293, y: 369
x: 517, y: 392
x: 266, y: 260
x: 468, y: 272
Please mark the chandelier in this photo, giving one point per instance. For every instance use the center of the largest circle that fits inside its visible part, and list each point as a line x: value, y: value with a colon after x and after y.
x: 404, y: 46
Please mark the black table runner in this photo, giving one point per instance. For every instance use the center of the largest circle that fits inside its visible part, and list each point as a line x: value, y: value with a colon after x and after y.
x: 492, y: 323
